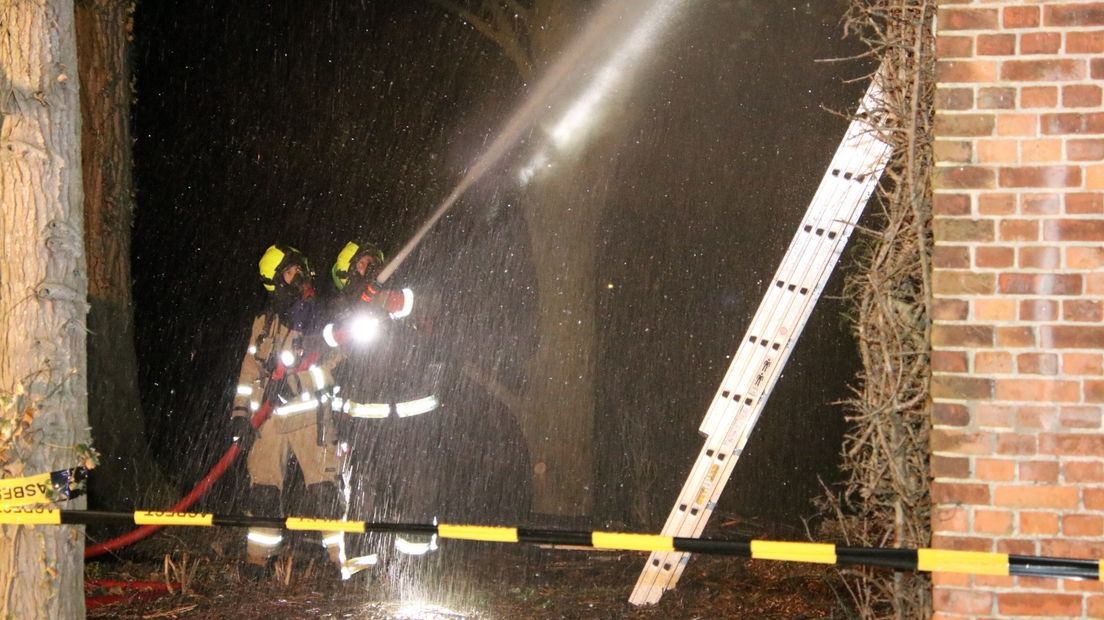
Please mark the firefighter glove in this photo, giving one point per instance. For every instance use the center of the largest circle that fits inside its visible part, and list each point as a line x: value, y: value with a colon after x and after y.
x: 243, y: 433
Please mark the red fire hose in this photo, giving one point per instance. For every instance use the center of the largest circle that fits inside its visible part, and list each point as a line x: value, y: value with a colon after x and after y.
x: 201, y: 487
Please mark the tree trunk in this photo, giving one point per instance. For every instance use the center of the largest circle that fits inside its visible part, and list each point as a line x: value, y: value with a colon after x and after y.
x: 42, y: 296
x: 557, y: 408
x: 114, y: 408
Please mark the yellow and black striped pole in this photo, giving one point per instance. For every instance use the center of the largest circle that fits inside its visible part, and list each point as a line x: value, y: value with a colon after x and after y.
x: 926, y: 560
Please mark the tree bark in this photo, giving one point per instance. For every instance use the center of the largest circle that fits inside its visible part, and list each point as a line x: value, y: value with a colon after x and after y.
x: 43, y: 288
x: 114, y: 408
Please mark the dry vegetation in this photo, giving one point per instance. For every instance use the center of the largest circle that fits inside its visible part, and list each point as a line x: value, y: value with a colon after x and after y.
x: 885, y: 500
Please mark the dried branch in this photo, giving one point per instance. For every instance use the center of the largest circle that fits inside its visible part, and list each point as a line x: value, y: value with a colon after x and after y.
x: 885, y: 501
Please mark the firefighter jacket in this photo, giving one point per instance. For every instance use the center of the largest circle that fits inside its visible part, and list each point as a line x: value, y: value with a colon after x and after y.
x: 282, y: 363
x: 381, y: 357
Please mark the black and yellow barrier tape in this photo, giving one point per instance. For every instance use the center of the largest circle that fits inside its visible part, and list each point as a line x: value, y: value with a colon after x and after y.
x: 44, y: 488
x: 926, y: 560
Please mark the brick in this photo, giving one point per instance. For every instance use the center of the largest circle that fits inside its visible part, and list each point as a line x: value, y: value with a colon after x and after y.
x: 1040, y: 42
x: 996, y: 204
x: 968, y: 19
x: 964, y: 125
x: 943, y: 466
x: 963, y: 283
x: 1083, y: 471
x: 988, y: 257
x: 994, y: 470
x: 1094, y: 498
x: 1082, y: 525
x: 1039, y: 176
x: 992, y: 152
x: 1035, y: 496
x: 964, y: 177
x: 1094, y: 284
x: 961, y: 543
x: 959, y: 493
x: 951, y: 519
x: 1036, y: 417
x: 1038, y: 97
x: 950, y: 580
x: 1087, y: 258
x: 996, y: 45
x: 1015, y: 337
x: 966, y: 71
x: 949, y: 361
x: 1038, y: 310
x: 962, y: 335
x: 953, y: 99
x: 1020, y: 17
x: 1021, y: 547
x: 1094, y: 177
x: 1089, y: 14
x: 1048, y: 258
x: 970, y: 230
x: 1016, y: 444
x: 995, y: 309
x: 953, y: 47
x: 950, y: 309
x: 951, y: 257
x: 1081, y: 96
x: 1041, y: 204
x: 950, y: 414
x: 1018, y: 230
x: 1039, y: 471
x: 1072, y: 548
x: 951, y: 204
x: 1038, y: 523
x: 1096, y: 68
x: 1072, y: 444
x: 1038, y: 390
x: 1041, y: 151
x: 992, y: 363
x: 1084, y: 203
x: 1082, y: 311
x: 1037, y: 363
x: 1085, y: 42
x: 1039, y: 284
x: 992, y: 521
x: 1082, y: 364
x: 965, y: 602
x: 1094, y: 391
x: 990, y: 416
x: 1022, y: 125
x: 996, y: 98
x: 1080, y: 417
x: 1072, y: 336
x: 959, y: 442
x: 961, y: 388
x: 1073, y: 230
x: 954, y: 151
x: 1056, y: 70
x: 1061, y: 123
x: 1087, y: 149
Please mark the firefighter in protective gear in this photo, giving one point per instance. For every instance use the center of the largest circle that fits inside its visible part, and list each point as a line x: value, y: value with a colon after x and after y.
x: 279, y: 367
x: 387, y: 397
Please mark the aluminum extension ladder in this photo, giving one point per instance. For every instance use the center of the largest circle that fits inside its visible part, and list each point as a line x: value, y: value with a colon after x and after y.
x: 839, y: 200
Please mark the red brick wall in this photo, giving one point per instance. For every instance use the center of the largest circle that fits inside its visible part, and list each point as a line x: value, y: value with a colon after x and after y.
x: 1018, y: 336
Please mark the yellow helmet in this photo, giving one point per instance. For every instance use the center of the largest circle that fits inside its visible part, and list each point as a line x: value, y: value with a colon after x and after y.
x: 348, y: 256
x: 276, y: 259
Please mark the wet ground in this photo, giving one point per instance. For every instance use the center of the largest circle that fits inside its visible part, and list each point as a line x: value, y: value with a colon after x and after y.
x: 461, y: 580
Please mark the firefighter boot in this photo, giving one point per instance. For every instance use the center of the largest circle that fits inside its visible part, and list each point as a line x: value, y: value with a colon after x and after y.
x: 263, y: 543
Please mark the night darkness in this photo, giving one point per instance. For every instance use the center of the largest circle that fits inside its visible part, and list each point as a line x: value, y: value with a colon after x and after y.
x: 313, y: 123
